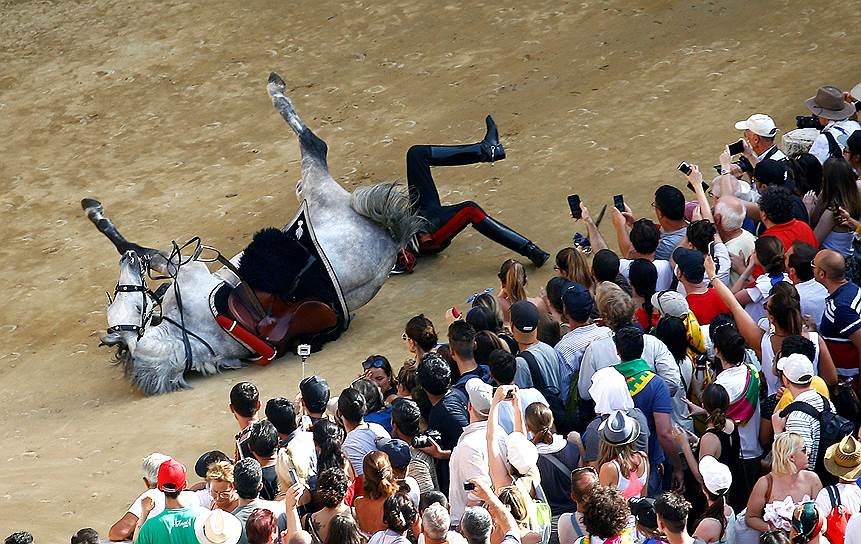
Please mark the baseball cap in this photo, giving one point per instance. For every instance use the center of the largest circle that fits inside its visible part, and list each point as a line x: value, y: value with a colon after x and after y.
x: 671, y: 302
x: 397, y: 450
x: 203, y: 462
x: 759, y: 124
x: 524, y: 321
x: 643, y: 508
x: 853, y: 143
x: 315, y: 393
x: 480, y: 395
x: 577, y: 302
x: 716, y: 476
x: 521, y: 453
x: 797, y: 368
x: 690, y: 263
x: 771, y: 172
x: 171, y: 476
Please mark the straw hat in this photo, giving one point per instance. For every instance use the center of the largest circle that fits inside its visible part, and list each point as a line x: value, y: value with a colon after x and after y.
x: 844, y: 458
x: 217, y: 527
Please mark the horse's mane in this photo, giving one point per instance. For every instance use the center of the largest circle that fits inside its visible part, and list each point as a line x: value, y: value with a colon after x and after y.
x: 388, y: 205
x: 271, y: 261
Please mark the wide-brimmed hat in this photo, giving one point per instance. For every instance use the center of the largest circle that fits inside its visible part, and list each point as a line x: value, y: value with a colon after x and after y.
x: 619, y: 429
x: 843, y: 459
x: 520, y: 452
x: 829, y: 103
x: 217, y: 527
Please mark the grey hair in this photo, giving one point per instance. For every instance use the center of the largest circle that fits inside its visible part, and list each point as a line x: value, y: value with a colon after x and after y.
x: 436, y: 521
x: 388, y: 205
x: 732, y: 213
x: 476, y: 525
x: 150, y: 465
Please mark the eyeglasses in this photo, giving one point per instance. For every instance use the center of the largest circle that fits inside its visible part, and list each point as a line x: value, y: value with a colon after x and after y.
x: 404, y: 337
x: 224, y: 495
x: 375, y: 361
x: 813, y: 264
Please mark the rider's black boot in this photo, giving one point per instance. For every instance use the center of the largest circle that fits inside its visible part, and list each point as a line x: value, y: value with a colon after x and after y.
x: 504, y: 236
x: 487, y: 150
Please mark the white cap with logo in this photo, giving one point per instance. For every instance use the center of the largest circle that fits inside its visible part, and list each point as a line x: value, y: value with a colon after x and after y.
x: 759, y: 124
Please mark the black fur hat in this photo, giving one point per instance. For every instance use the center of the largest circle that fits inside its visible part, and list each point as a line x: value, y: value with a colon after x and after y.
x: 271, y: 261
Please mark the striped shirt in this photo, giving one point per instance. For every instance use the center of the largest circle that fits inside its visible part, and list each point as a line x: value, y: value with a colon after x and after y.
x: 571, y: 348
x: 806, y: 426
x: 841, y: 319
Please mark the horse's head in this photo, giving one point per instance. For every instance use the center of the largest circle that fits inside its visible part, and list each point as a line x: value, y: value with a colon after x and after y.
x: 132, y: 306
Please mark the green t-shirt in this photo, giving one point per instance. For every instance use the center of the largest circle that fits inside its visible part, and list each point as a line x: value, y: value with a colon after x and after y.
x: 174, y: 526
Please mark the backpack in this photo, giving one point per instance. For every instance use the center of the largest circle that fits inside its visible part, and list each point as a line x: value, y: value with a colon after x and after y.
x: 837, y: 518
x: 832, y: 429
x: 550, y: 392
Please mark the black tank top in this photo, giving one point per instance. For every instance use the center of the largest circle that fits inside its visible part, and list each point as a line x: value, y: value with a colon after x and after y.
x: 730, y: 446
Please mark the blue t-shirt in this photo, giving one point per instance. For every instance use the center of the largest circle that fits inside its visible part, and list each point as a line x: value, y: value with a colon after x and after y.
x: 654, y: 397
x: 842, y: 309
x: 381, y: 417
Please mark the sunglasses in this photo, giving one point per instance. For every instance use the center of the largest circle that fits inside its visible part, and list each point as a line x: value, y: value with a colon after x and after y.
x: 404, y: 337
x: 485, y: 292
x: 584, y: 469
x: 375, y: 361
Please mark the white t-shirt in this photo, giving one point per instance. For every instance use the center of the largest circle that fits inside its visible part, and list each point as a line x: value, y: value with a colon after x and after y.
x: 812, y: 295
x: 360, y: 442
x: 186, y: 498
x: 665, y: 272
x: 850, y: 498
x: 841, y: 130
x: 734, y: 381
x: 740, y: 245
x: 759, y: 292
x: 853, y: 530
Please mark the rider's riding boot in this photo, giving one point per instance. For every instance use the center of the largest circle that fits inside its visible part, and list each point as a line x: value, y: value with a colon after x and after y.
x: 487, y: 150
x: 503, y: 235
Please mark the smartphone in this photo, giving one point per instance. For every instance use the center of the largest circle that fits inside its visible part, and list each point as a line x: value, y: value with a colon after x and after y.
x: 718, y: 169
x: 509, y: 395
x: 619, y: 203
x: 736, y: 148
x: 705, y: 185
x: 574, y: 204
x: 468, y: 486
x: 685, y: 168
x: 455, y: 313
x: 712, y: 254
x: 294, y: 476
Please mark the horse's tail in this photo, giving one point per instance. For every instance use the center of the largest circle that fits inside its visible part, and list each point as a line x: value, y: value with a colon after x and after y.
x: 388, y: 205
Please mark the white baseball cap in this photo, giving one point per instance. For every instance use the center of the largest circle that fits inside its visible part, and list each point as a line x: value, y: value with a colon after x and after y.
x: 480, y: 395
x: 716, y: 476
x: 797, y: 368
x: 760, y: 124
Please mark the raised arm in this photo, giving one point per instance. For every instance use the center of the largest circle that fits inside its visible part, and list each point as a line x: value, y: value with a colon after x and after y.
x: 595, y: 237
x: 746, y: 326
x: 499, y: 474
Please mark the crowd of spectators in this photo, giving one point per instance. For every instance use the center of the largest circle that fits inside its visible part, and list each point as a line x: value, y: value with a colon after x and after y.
x: 697, y: 386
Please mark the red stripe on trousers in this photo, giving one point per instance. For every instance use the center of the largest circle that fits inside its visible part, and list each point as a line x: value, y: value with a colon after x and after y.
x: 461, y: 219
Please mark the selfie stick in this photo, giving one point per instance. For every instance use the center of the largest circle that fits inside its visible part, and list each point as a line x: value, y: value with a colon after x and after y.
x: 304, y: 352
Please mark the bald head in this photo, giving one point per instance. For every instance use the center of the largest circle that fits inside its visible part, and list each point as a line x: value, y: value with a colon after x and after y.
x: 729, y: 212
x: 300, y: 537
x: 831, y: 264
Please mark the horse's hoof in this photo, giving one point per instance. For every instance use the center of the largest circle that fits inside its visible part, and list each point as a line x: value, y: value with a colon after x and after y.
x: 276, y: 84
x: 92, y: 206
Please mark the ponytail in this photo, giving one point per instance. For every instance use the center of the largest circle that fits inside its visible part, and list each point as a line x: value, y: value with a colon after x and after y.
x: 513, y: 277
x: 784, y: 307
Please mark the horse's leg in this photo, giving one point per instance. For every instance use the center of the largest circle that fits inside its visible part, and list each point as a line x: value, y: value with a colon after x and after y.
x: 95, y: 212
x: 313, y: 148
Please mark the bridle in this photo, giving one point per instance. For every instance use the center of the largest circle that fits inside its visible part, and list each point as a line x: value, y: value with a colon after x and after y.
x: 145, y: 292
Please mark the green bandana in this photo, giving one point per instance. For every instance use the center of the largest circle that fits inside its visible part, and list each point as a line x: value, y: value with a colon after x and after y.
x: 637, y: 374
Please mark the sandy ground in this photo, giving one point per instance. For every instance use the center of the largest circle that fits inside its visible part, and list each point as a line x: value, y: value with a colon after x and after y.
x: 160, y: 110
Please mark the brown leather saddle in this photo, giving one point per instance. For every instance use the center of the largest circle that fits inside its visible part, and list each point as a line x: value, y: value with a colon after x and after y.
x: 278, y: 322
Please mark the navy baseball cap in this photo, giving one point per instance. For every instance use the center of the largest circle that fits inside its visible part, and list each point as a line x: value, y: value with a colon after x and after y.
x: 577, y: 302
x: 397, y: 450
x: 690, y: 263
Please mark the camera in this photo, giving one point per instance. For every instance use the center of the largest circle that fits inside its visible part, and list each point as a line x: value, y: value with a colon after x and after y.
x: 808, y: 121
x: 468, y: 486
x: 303, y: 350
x: 423, y: 440
x: 744, y: 165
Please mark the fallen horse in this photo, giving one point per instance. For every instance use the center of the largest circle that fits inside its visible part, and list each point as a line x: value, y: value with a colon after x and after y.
x: 299, y: 284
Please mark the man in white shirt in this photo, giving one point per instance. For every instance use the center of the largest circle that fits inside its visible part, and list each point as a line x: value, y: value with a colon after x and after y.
x: 811, y: 292
x: 469, y: 457
x: 361, y: 437
x: 729, y: 215
x: 124, y: 528
x: 842, y: 460
x: 503, y: 368
x: 834, y: 112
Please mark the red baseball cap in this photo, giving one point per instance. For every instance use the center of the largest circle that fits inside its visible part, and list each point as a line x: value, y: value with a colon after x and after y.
x: 171, y: 476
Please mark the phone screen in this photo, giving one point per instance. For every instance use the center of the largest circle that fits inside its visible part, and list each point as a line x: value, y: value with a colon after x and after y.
x: 574, y: 204
x: 685, y: 168
x: 736, y: 148
x: 619, y: 203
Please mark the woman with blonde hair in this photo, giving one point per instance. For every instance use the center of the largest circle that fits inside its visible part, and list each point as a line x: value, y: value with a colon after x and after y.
x: 614, y: 305
x: 378, y: 484
x: 789, y: 482
x: 219, y: 477
x: 572, y: 265
x: 622, y: 467
x: 516, y: 502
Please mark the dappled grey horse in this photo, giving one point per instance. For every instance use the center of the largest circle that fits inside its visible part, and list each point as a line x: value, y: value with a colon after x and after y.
x: 359, y: 233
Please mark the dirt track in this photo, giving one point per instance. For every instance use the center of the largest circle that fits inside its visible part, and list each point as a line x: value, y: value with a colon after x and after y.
x: 160, y: 110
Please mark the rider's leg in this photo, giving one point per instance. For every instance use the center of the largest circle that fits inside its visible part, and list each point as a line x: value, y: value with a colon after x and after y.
x: 421, y: 157
x: 451, y: 220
